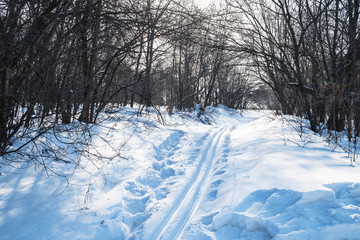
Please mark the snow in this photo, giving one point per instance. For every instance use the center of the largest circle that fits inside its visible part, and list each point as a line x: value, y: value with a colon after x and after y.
x: 230, y: 175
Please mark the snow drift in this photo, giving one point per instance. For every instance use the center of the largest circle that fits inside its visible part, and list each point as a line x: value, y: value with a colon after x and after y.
x: 230, y: 175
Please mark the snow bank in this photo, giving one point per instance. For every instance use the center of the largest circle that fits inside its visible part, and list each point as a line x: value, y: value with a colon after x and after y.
x: 286, y: 214
x: 276, y: 185
x: 229, y: 175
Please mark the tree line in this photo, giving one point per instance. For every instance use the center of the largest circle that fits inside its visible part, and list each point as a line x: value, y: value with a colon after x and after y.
x: 308, y: 53
x: 66, y: 60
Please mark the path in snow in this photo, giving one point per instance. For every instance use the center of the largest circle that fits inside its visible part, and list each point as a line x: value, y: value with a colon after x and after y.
x: 173, y: 224
x: 152, y: 185
x: 239, y: 178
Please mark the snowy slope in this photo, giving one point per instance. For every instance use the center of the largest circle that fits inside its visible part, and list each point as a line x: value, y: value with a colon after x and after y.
x: 240, y: 177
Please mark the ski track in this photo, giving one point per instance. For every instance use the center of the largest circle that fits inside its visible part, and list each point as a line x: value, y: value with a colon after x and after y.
x: 173, y: 225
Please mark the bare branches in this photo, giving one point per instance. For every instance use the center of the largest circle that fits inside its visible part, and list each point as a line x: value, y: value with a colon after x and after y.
x: 66, y: 61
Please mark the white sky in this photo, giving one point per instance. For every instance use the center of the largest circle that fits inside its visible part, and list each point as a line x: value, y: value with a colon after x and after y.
x: 204, y: 3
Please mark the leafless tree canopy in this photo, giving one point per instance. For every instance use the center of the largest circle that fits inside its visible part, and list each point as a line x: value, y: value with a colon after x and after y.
x: 65, y: 60
x: 308, y: 53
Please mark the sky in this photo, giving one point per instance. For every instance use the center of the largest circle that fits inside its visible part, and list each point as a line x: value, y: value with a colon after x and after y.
x: 204, y: 3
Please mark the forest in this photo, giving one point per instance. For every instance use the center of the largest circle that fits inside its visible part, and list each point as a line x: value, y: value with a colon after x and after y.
x: 63, y: 61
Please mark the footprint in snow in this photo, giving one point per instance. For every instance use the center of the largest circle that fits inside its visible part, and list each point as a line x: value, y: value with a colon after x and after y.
x: 216, y: 183
x: 219, y: 172
x: 208, y: 219
x: 151, y: 179
x: 136, y: 205
x: 158, y: 166
x: 169, y: 146
x: 135, y: 190
x: 212, y: 194
x: 161, y: 193
x: 167, y: 172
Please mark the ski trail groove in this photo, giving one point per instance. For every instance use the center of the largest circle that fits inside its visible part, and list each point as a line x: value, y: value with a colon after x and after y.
x: 172, y: 226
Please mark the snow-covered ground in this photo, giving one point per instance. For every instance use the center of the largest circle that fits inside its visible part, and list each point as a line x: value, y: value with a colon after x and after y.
x: 244, y: 176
